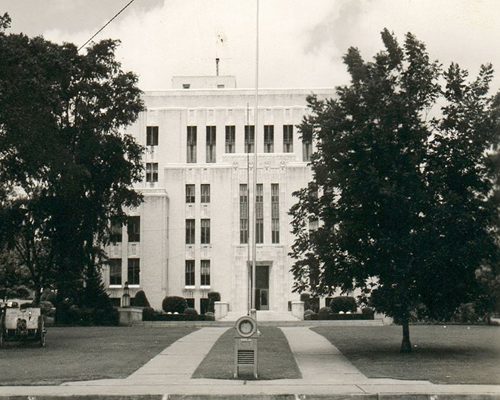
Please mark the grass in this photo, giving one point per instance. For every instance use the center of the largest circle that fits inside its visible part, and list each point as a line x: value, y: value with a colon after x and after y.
x: 275, y: 360
x: 84, y: 353
x: 452, y: 354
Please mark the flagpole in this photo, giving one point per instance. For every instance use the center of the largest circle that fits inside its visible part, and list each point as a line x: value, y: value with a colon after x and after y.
x: 256, y: 135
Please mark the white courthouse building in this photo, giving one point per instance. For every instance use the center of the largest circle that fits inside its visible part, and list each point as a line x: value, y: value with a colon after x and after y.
x: 192, y: 233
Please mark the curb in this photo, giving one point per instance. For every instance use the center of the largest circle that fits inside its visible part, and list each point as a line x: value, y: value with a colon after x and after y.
x: 367, y: 396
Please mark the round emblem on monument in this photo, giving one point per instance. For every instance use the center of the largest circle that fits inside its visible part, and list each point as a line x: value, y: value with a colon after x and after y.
x: 246, y: 326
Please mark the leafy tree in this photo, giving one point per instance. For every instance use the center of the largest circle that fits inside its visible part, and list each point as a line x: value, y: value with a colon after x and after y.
x: 61, y: 146
x: 401, y: 185
x: 24, y: 245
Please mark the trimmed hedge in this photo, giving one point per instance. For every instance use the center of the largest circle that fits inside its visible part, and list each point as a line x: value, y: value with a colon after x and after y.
x: 157, y: 316
x: 347, y: 317
x: 212, y: 297
x: 174, y: 304
x: 140, y: 299
x: 343, y: 303
x: 324, y: 313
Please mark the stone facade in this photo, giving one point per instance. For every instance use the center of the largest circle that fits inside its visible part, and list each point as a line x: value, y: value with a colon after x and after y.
x: 222, y: 166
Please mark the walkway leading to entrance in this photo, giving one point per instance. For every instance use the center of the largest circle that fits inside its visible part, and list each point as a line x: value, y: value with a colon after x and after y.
x: 319, y: 360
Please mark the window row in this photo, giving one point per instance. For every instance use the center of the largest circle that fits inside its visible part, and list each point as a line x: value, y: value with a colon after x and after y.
x: 204, y: 231
x: 259, y: 214
x: 204, y: 193
x: 133, y: 271
x: 152, y: 138
x: 249, y: 141
x: 133, y: 230
x: 190, y: 273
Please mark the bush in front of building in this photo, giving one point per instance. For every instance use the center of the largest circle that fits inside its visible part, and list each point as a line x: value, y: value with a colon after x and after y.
x: 324, y: 313
x: 190, y: 314
x: 148, y: 314
x: 310, y: 303
x: 174, y: 304
x: 140, y: 299
x: 310, y: 315
x: 343, y: 304
x: 212, y: 297
x: 368, y: 312
x: 209, y: 316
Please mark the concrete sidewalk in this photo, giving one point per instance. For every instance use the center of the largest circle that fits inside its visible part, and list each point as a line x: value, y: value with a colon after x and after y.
x: 325, y: 372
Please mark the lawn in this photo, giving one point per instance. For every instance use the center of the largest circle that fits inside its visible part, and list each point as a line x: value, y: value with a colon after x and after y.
x: 275, y: 360
x: 84, y: 353
x: 452, y: 354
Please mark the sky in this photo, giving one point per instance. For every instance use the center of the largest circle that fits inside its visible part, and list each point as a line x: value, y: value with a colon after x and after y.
x: 301, y: 41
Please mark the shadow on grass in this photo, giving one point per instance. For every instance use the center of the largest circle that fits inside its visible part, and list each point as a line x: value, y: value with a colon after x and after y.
x: 454, y: 355
x: 275, y: 359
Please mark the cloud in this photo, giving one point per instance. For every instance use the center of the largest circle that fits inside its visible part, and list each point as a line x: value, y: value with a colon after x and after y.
x: 338, y: 29
x: 301, y: 42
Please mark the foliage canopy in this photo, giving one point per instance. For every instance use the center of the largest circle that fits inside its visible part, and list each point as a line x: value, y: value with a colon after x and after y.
x: 402, y: 184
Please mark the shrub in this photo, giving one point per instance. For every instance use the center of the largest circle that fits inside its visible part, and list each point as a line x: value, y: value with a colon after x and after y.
x: 48, y: 295
x: 23, y: 292
x: 212, y: 297
x: 368, y: 312
x: 324, y: 313
x: 190, y: 314
x: 140, y: 299
x: 310, y: 303
x: 310, y: 315
x: 343, y: 303
x: 209, y: 316
x: 466, y: 314
x: 109, y: 316
x: 148, y: 314
x: 174, y: 304
x: 47, y: 308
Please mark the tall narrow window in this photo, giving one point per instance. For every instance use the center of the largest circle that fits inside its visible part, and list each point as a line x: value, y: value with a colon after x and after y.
x: 189, y: 273
x: 275, y: 213
x: 230, y: 138
x: 306, y: 146
x: 151, y: 136
x: 287, y: 138
x: 134, y: 229
x: 205, y: 193
x: 151, y: 172
x: 116, y: 231
x: 205, y: 273
x: 243, y: 214
x: 268, y: 138
x: 190, y: 194
x: 205, y: 231
x: 211, y: 139
x: 259, y: 214
x: 115, y: 271
x: 134, y: 271
x: 190, y: 231
x: 249, y: 138
x: 191, y: 144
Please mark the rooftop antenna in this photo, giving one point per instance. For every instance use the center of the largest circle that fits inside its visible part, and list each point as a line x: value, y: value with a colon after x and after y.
x: 220, y: 41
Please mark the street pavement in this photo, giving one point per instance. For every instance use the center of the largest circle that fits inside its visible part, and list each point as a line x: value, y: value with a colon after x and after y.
x: 325, y: 371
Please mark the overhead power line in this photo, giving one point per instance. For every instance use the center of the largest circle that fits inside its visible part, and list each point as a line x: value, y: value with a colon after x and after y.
x: 105, y: 25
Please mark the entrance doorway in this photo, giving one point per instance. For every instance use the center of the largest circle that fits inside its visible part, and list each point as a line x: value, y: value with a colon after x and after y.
x: 262, y: 287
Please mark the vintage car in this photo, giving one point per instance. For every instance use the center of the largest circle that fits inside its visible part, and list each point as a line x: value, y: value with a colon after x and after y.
x: 21, y: 322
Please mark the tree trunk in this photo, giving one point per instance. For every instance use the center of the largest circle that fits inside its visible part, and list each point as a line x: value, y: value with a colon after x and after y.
x: 38, y: 294
x: 406, y: 344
